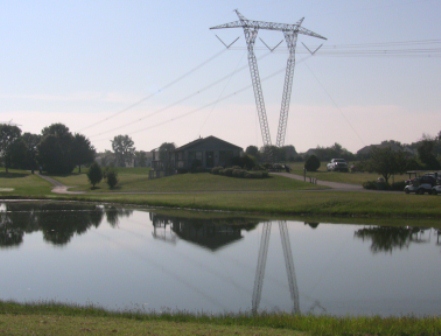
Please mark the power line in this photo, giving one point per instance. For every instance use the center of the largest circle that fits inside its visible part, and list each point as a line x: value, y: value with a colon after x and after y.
x: 206, y: 105
x: 158, y: 91
x: 205, y: 88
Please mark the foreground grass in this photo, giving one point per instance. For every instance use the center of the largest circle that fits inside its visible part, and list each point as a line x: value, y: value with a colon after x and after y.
x: 55, y: 319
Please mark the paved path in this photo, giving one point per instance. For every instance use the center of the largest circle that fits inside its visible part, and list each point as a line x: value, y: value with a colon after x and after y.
x: 333, y: 185
x: 59, y: 188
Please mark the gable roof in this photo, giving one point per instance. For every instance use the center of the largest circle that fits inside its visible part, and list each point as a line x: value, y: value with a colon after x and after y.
x: 202, y: 141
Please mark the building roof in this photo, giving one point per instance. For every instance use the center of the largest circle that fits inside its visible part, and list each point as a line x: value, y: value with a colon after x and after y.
x: 202, y: 141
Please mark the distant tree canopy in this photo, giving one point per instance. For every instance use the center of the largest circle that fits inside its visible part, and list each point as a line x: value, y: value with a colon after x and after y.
x: 82, y: 151
x: 166, y: 152
x: 123, y: 147
x: 275, y: 154
x: 59, y: 151
x: 387, y: 162
x: 335, y: 151
x: 9, y: 135
x: 426, y: 153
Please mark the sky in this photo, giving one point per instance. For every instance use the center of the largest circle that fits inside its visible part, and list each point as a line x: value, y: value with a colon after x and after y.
x: 154, y: 70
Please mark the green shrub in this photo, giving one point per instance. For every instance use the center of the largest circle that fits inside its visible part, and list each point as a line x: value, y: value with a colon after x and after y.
x: 370, y: 185
x: 95, y: 174
x: 216, y: 170
x: 312, y: 163
x: 112, y: 178
x: 398, y: 186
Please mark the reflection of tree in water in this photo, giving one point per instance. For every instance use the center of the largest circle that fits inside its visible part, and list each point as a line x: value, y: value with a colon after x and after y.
x: 313, y: 225
x: 385, y: 238
x: 59, y: 222
x: 211, y: 233
x: 10, y: 235
x: 113, y: 214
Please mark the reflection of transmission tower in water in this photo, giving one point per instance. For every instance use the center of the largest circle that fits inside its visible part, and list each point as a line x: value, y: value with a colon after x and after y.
x: 289, y: 263
x: 290, y: 32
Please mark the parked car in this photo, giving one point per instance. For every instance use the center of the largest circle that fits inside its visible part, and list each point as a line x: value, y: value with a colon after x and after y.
x: 421, y: 185
x: 436, y: 189
x: 337, y: 165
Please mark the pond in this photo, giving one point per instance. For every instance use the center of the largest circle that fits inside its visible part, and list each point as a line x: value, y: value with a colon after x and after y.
x: 167, y: 261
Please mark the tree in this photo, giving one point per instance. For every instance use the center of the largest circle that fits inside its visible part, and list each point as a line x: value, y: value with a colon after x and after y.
x: 55, y: 150
x: 253, y: 151
x: 82, y: 151
x: 8, y: 135
x: 122, y: 146
x: 140, y: 159
x: 31, y: 141
x: 166, y: 152
x: 16, y: 155
x: 425, y: 152
x: 95, y: 174
x: 112, y: 178
x: 312, y: 163
x: 387, y: 162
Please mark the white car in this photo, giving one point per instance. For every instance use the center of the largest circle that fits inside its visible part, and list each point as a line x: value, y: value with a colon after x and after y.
x: 337, y: 165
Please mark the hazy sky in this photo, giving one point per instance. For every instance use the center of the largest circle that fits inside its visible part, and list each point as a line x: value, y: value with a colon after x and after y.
x: 155, y: 71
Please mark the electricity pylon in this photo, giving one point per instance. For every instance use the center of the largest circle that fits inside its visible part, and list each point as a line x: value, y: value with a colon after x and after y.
x: 290, y: 32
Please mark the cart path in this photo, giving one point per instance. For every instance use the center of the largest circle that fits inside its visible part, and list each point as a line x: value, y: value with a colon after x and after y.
x: 332, y: 185
x: 58, y: 187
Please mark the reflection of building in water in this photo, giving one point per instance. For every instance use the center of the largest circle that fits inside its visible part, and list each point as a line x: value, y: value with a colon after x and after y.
x: 211, y: 233
x: 215, y: 233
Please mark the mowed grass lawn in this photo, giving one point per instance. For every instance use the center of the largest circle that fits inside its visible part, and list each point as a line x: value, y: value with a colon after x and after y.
x: 353, y: 178
x: 136, y: 180
x: 22, y: 183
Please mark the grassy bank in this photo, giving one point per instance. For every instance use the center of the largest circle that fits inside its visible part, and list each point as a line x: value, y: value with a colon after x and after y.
x: 273, y: 196
x: 54, y: 319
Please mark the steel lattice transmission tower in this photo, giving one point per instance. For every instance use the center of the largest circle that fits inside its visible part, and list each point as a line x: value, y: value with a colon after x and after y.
x: 290, y: 32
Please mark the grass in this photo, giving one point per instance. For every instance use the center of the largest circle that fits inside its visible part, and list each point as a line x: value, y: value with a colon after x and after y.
x: 291, y: 203
x: 353, y: 178
x: 273, y: 196
x: 57, y: 319
x: 23, y: 183
x: 135, y: 180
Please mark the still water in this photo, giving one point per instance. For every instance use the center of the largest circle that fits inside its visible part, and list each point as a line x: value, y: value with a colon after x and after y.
x: 121, y: 259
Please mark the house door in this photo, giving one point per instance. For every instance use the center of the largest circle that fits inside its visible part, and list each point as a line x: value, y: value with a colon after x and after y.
x: 209, y: 159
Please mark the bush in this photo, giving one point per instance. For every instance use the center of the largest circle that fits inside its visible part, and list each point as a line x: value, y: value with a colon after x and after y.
x: 216, y: 170
x: 112, y: 178
x: 95, y: 174
x: 312, y: 163
x: 398, y: 186
x: 376, y: 185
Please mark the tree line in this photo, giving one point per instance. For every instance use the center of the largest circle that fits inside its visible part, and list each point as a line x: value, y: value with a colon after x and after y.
x: 55, y: 150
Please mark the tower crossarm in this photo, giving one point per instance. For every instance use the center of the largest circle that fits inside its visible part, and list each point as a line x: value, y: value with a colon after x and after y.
x: 244, y: 23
